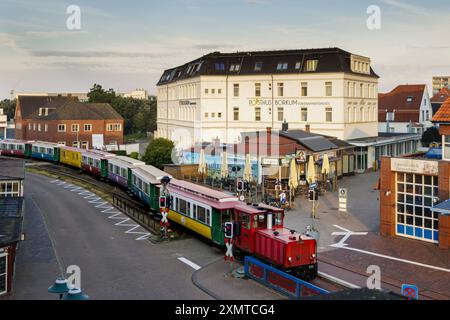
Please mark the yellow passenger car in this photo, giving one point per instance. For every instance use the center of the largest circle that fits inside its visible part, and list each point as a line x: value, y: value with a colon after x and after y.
x: 70, y: 156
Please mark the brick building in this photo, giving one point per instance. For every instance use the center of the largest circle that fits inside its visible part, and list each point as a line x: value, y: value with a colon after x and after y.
x: 67, y: 121
x: 415, y: 192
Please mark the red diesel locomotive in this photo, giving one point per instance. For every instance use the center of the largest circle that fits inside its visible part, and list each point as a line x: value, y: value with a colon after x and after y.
x: 259, y: 231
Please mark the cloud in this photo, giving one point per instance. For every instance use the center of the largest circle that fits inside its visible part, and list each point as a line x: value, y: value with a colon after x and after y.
x: 94, y: 54
x: 405, y: 6
x: 255, y: 2
x: 8, y: 40
x: 212, y: 46
x: 52, y: 34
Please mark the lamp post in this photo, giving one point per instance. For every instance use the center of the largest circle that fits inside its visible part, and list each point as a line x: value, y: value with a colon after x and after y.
x: 61, y: 287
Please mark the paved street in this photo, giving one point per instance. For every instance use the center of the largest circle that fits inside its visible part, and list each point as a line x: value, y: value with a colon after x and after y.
x: 363, y: 210
x: 65, y: 225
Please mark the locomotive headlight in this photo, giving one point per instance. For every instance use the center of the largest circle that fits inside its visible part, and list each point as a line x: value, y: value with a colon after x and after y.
x: 290, y: 259
x: 313, y: 256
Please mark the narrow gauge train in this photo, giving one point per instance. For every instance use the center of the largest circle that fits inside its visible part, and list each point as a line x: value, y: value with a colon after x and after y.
x: 197, y: 208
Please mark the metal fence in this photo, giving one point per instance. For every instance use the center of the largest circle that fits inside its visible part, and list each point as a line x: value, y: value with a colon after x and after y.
x: 279, y: 280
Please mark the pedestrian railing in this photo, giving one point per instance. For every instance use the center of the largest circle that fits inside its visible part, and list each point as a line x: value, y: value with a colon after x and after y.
x: 280, y: 281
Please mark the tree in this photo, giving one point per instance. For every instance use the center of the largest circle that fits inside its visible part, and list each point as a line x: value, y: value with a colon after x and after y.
x: 98, y: 95
x: 431, y: 135
x: 9, y: 108
x: 159, y: 152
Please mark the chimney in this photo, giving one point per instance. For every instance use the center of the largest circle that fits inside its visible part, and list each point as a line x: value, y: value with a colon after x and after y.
x: 285, y: 126
x: 269, y: 141
x: 307, y: 128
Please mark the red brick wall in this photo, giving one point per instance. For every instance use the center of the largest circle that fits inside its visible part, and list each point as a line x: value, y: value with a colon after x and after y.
x: 444, y: 232
x: 52, y: 134
x: 387, y: 202
x: 444, y: 129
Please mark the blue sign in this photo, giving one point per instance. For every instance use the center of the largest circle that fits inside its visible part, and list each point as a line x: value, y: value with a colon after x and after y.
x: 313, y: 185
x: 410, y: 291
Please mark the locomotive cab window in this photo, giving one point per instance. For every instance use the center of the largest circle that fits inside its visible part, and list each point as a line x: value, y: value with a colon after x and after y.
x: 245, y: 220
x: 259, y: 221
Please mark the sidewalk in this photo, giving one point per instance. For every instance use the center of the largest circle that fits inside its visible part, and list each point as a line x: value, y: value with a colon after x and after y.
x: 217, y: 281
x: 401, y: 261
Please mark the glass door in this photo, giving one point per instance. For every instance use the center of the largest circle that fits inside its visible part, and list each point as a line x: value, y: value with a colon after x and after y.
x: 3, y: 273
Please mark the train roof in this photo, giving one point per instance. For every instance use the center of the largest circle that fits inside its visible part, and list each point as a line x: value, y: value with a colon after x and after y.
x: 126, y: 161
x: 16, y: 141
x: 212, y: 194
x: 97, y: 154
x: 283, y: 235
x: 45, y: 143
x: 72, y: 149
x: 150, y: 174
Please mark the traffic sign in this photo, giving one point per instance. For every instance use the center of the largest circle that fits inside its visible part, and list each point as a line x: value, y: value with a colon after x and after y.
x: 410, y: 291
x: 343, y: 192
x: 164, y: 212
x: 229, y: 253
x: 313, y: 185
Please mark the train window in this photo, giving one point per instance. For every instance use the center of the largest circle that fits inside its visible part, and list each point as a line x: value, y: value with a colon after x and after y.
x: 259, y: 221
x: 201, y: 214
x: 42, y: 150
x: 146, y: 188
x: 245, y: 220
x: 278, y: 219
x: 35, y: 149
x: 124, y: 172
x: 110, y: 168
x: 97, y: 163
x: 184, y: 207
x: 50, y: 151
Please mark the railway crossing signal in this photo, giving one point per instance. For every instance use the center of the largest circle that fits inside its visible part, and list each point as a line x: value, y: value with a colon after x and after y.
x: 228, y: 230
x: 229, y: 253
x: 163, y: 202
x: 241, y: 185
x: 313, y: 194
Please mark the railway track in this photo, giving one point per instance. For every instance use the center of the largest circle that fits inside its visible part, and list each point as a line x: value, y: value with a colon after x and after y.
x: 329, y: 283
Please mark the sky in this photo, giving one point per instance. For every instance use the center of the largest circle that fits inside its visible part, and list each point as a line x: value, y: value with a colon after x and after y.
x: 127, y: 44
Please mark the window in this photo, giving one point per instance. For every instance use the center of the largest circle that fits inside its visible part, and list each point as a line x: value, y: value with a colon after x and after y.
x: 75, y: 127
x: 304, y: 89
x: 390, y: 116
x: 3, y: 273
x: 304, y: 115
x: 409, y: 99
x: 415, y: 196
x: 84, y: 144
x: 39, y: 127
x: 361, y: 90
x: 257, y: 89
x: 235, y: 67
x: 219, y: 91
x: 88, y: 127
x: 328, y: 114
x: 75, y: 144
x: 202, y: 214
x: 63, y: 143
x: 206, y: 91
x: 46, y: 127
x: 298, y: 65
x: 184, y: 207
x: 113, y: 127
x: 361, y: 114
x: 220, y: 66
x: 446, y: 147
x: 213, y: 115
x: 206, y: 114
x: 258, y: 66
x: 427, y: 115
x: 236, y: 114
x: 282, y: 66
x: 213, y: 91
x: 10, y: 189
x: 29, y: 126
x: 280, y: 89
x: 236, y: 89
x: 311, y: 65
x: 34, y: 126
x: 61, y: 128
x: 328, y: 88
x: 280, y: 113
x: 219, y: 115
x: 257, y: 114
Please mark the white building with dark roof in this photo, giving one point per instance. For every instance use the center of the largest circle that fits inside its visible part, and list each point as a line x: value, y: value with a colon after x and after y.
x: 220, y: 95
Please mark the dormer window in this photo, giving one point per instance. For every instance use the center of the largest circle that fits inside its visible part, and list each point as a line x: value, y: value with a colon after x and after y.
x: 311, y: 65
x: 282, y: 66
x: 409, y: 99
x: 235, y: 67
x: 298, y: 65
x: 220, y: 66
x: 258, y: 66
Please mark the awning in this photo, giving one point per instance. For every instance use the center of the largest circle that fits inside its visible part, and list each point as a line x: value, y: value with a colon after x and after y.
x: 442, y: 208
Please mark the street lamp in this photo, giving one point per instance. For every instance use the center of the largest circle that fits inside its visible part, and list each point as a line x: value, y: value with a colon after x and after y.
x: 60, y: 286
x: 75, y: 294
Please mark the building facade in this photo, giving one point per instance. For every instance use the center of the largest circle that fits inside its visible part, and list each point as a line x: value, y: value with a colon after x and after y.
x: 406, y: 109
x: 439, y: 98
x: 67, y: 121
x: 219, y: 95
x: 3, y: 124
x: 11, y: 218
x: 415, y: 192
x: 439, y: 83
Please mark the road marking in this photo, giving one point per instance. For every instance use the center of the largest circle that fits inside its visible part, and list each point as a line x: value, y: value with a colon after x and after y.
x: 190, y: 263
x: 398, y: 259
x: 338, y: 281
x: 346, y: 234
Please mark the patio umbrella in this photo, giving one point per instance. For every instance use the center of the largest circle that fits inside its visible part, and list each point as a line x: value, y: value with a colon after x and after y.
x: 311, y: 175
x: 202, y: 162
x: 325, y: 164
x: 224, y: 168
x: 293, y: 177
x: 247, y: 168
